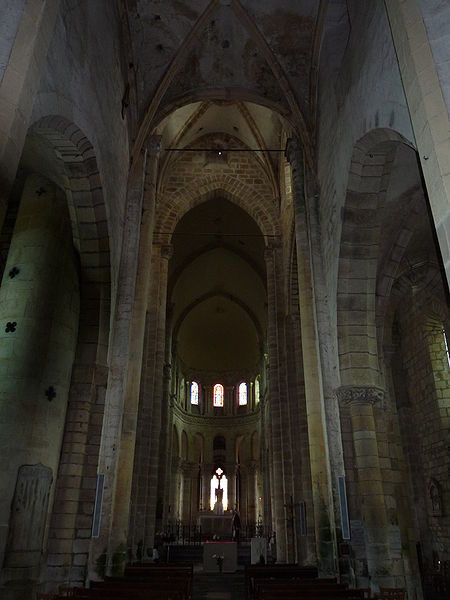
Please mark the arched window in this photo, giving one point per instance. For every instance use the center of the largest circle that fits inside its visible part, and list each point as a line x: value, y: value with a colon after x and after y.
x: 194, y: 392
x: 219, y: 491
x: 243, y: 394
x: 257, y: 390
x: 218, y: 395
x: 444, y: 335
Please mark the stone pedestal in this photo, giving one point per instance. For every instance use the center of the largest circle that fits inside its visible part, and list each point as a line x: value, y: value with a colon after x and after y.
x: 215, y: 553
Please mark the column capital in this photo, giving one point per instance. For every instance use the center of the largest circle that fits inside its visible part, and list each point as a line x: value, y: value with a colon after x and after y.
x: 359, y: 394
x: 294, y: 150
x: 153, y: 144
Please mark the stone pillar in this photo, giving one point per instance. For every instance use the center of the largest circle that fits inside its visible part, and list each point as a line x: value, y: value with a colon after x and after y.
x: 169, y: 397
x: 121, y: 513
x: 39, y: 311
x: 109, y: 463
x: 164, y: 443
x: 360, y: 401
x: 274, y: 409
x: 19, y: 85
x: 175, y: 489
x: 154, y: 374
x: 231, y: 474
x: 318, y: 444
x: 270, y: 504
x: 252, y: 492
x: 244, y: 491
x: 186, y: 511
x: 168, y: 482
x: 206, y: 470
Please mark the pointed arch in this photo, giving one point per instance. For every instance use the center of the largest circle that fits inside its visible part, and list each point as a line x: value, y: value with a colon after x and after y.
x: 176, y: 204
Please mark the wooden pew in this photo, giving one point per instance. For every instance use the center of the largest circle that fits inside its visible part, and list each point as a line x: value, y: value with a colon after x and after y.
x: 264, y: 586
x: 150, y: 569
x: 298, y: 588
x: 175, y: 583
x: 253, y: 572
x: 320, y: 595
x: 142, y: 582
x: 391, y: 593
x: 128, y: 594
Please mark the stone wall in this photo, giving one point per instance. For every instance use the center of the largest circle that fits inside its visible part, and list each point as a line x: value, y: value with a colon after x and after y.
x: 425, y: 374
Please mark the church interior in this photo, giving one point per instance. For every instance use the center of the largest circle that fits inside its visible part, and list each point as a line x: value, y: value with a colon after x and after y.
x: 224, y: 247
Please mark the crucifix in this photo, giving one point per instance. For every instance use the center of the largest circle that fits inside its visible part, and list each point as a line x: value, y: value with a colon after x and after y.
x: 219, y: 490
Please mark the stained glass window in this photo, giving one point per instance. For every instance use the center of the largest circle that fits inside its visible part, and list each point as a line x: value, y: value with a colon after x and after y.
x: 243, y: 394
x: 257, y: 390
x: 218, y: 395
x: 194, y: 392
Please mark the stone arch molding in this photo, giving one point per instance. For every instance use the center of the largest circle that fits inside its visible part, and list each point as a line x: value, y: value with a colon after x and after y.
x: 84, y: 193
x: 369, y: 170
x: 175, y: 205
x: 362, y: 148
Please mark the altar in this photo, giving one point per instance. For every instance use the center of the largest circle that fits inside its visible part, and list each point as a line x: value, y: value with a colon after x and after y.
x: 219, y: 553
x: 218, y: 525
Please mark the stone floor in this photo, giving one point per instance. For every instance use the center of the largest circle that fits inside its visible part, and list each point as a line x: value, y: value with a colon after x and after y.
x: 218, y: 586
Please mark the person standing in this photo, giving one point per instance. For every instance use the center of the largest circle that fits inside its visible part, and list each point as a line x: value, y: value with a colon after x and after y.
x: 236, y: 526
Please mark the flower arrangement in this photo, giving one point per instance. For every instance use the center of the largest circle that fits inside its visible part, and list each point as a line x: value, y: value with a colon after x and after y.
x: 219, y: 560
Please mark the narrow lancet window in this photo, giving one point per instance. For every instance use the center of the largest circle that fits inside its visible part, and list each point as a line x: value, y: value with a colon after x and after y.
x: 194, y: 392
x: 218, y: 395
x: 243, y: 394
x: 446, y: 346
x: 257, y: 390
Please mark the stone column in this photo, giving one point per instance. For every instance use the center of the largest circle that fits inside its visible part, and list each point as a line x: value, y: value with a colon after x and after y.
x: 39, y: 310
x: 360, y: 401
x: 155, y: 377
x: 187, y: 493
x: 243, y: 512
x: 165, y: 441
x: 121, y: 512
x: 318, y: 444
x: 274, y: 409
x: 231, y: 474
x: 206, y: 470
x: 175, y: 488
x: 252, y: 492
x: 270, y: 503
x: 170, y: 399
x: 119, y: 352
